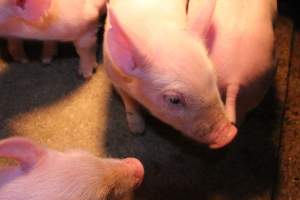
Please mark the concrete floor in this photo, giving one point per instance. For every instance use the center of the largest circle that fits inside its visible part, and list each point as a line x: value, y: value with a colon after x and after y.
x: 51, y: 105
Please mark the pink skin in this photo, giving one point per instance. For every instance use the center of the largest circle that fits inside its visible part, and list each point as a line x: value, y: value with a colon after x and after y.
x: 240, y: 43
x: 75, y: 175
x: 159, y: 63
x: 54, y: 20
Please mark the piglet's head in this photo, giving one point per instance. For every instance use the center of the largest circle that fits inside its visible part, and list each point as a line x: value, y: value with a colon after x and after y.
x: 31, y: 10
x: 70, y: 175
x: 172, y: 76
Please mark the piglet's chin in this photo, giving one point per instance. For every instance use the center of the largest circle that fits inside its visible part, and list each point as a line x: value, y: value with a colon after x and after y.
x: 223, y: 136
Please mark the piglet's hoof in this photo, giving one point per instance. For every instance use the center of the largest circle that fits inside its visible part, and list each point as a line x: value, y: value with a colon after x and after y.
x: 81, y: 77
x: 86, y: 73
x: 22, y: 60
x: 46, y: 61
x: 135, y: 122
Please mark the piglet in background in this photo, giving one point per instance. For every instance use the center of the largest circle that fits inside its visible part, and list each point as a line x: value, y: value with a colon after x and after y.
x: 240, y: 41
x: 48, y: 174
x: 53, y: 20
x: 154, y: 59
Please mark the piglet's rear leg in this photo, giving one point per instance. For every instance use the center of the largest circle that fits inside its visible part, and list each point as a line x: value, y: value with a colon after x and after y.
x: 136, y: 122
x: 49, y: 51
x: 86, y: 49
x: 16, y: 50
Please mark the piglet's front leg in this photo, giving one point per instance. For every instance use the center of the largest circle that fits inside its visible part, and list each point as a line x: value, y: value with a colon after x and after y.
x: 231, y: 101
x: 235, y: 111
x: 136, y: 122
x: 16, y: 50
x: 49, y: 51
x: 86, y: 49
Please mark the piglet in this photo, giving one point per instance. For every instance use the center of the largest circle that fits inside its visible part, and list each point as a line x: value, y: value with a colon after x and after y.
x: 153, y: 58
x: 240, y: 42
x: 54, y: 20
x: 75, y: 175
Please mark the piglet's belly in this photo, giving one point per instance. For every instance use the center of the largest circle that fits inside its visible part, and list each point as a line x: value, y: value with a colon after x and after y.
x: 41, y: 32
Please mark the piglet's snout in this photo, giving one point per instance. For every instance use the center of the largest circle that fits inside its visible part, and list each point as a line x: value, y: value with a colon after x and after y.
x: 223, y: 135
x: 137, y: 168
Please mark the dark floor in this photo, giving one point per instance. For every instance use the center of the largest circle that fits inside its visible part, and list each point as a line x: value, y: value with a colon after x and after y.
x: 51, y: 105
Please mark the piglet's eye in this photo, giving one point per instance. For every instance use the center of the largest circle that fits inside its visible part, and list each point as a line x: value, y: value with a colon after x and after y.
x: 174, y: 99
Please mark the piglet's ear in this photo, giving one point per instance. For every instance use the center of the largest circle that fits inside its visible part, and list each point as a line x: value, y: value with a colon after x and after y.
x: 120, y: 47
x: 26, y: 152
x: 200, y: 14
x: 32, y: 10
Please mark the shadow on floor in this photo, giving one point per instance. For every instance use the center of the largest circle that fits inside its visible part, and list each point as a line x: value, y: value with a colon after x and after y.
x: 26, y: 87
x: 177, y: 168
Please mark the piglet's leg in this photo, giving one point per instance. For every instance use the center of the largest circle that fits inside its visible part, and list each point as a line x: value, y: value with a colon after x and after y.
x: 86, y: 49
x: 16, y: 50
x: 136, y: 122
x: 49, y: 51
x: 231, y: 100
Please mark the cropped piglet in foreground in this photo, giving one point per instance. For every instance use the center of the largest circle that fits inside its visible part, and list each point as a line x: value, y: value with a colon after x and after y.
x: 53, y: 20
x: 47, y: 174
x: 240, y: 42
x: 154, y: 58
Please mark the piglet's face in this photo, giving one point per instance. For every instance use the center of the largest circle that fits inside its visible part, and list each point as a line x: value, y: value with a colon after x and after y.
x: 31, y: 10
x: 172, y: 76
x: 121, y: 177
x: 72, y: 175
